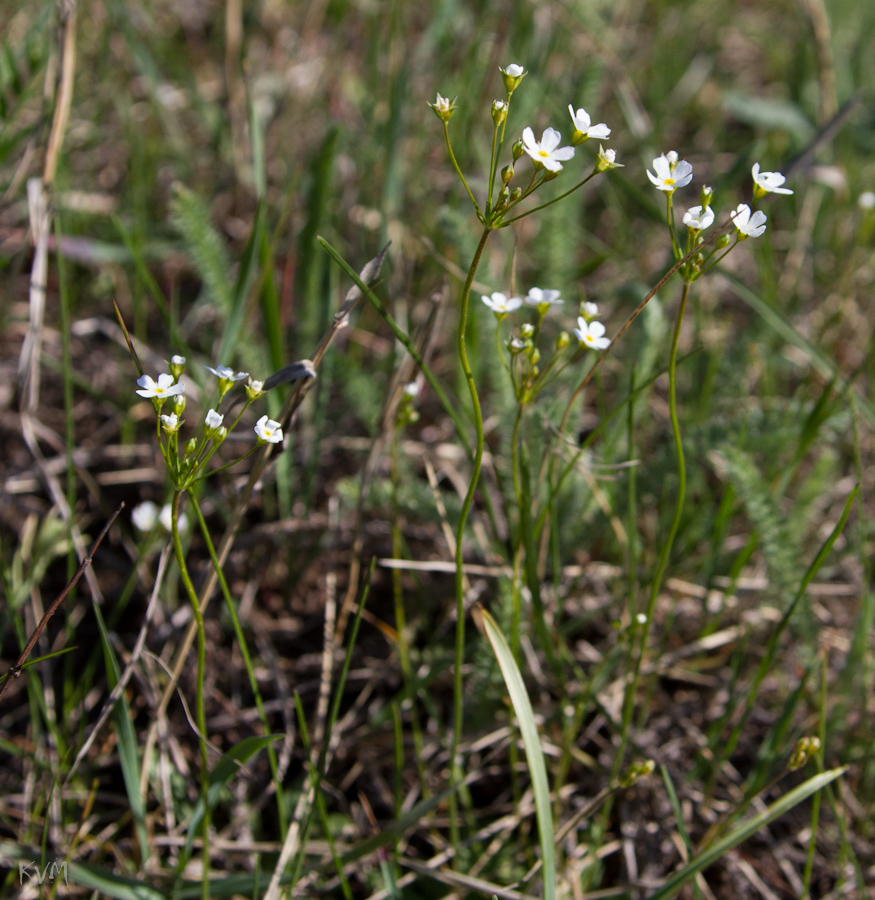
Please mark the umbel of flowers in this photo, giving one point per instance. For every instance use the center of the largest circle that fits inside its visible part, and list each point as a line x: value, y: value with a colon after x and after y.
x: 188, y: 465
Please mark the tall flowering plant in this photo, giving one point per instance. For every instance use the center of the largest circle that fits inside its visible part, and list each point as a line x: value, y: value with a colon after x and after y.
x: 532, y: 164
x: 187, y: 464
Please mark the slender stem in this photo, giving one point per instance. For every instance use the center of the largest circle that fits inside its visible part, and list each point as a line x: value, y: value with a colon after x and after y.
x: 201, y: 714
x: 247, y: 659
x: 455, y: 773
x: 632, y: 684
x: 528, y: 212
x: 459, y: 172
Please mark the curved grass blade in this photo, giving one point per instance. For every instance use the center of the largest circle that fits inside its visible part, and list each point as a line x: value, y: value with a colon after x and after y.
x: 745, y: 830
x: 534, y: 755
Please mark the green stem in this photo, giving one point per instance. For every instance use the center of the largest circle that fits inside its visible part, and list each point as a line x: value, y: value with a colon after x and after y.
x: 201, y: 714
x: 247, y: 660
x: 632, y: 684
x: 459, y: 171
x: 455, y: 773
x: 528, y: 212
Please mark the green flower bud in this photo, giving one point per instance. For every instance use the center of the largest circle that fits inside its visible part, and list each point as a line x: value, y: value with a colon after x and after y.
x: 178, y: 404
x: 706, y: 196
x: 499, y: 111
x: 724, y: 241
x: 507, y: 174
x: 527, y: 330
x: 177, y: 366
x: 190, y: 446
x: 512, y: 76
x: 515, y: 194
x: 517, y: 149
x: 563, y: 340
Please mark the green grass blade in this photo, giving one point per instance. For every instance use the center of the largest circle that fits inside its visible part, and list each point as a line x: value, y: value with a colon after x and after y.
x: 531, y: 741
x: 745, y: 830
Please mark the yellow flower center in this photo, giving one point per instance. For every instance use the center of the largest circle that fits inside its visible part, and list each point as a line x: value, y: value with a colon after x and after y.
x: 669, y: 181
x: 543, y: 153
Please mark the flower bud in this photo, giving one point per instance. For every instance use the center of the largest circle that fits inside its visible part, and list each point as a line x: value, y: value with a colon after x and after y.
x: 517, y: 149
x: 190, y: 446
x: 177, y: 366
x: 563, y: 340
x: 535, y: 356
x: 507, y: 174
x: 512, y: 76
x: 254, y: 390
x: 706, y: 196
x: 170, y: 423
x: 806, y: 747
x: 443, y: 108
x: 724, y: 241
x: 515, y: 194
x: 527, y: 330
x: 178, y: 404
x: 635, y: 771
x: 517, y: 345
x: 499, y: 111
x: 607, y: 159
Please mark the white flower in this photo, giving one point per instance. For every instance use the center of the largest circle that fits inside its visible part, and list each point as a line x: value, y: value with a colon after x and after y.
x: 144, y: 515
x: 257, y: 386
x: 513, y: 70
x: 748, y: 225
x: 767, y: 182
x: 411, y: 389
x: 166, y: 524
x: 213, y: 420
x: 866, y: 200
x: 547, y: 152
x: 226, y: 374
x: 590, y: 310
x: 268, y: 431
x: 162, y: 388
x: 500, y: 303
x: 591, y: 334
x: 697, y: 220
x: 171, y: 422
x: 584, y: 129
x: 670, y: 174
x: 177, y: 360
x: 537, y: 297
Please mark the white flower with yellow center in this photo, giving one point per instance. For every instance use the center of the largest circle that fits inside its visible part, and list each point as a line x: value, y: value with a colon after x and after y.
x: 697, y: 219
x: 670, y: 174
x: 591, y: 334
x: 547, y: 152
x: 746, y: 224
x: 160, y: 389
x: 268, y: 431
x: 501, y: 304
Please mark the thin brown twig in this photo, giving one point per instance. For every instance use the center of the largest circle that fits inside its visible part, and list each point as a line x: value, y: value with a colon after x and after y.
x: 15, y: 670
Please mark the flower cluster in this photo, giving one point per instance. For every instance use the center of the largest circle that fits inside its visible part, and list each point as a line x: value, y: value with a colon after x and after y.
x: 527, y: 372
x: 547, y: 155
x: 671, y: 173
x: 190, y: 466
